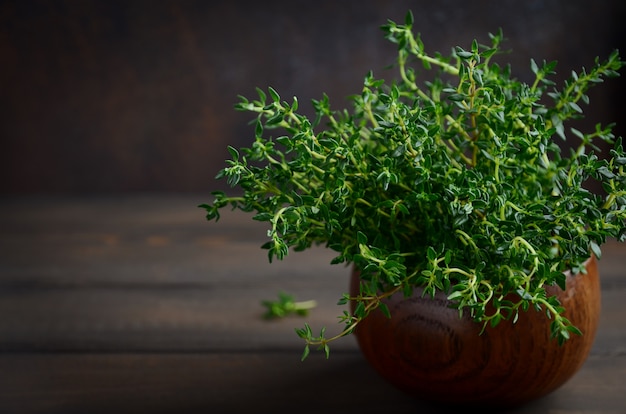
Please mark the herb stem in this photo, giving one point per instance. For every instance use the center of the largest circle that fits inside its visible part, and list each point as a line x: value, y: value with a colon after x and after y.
x: 372, y: 303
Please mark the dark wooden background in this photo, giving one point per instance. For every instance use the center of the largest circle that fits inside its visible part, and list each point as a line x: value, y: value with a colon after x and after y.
x: 137, y: 95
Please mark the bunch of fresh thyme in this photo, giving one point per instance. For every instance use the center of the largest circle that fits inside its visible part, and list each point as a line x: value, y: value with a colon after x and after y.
x: 456, y: 184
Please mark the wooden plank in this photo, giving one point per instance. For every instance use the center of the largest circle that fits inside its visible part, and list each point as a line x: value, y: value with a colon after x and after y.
x: 150, y: 238
x: 146, y: 273
x: 249, y: 382
x: 154, y: 319
x: 79, y: 241
x: 192, y: 320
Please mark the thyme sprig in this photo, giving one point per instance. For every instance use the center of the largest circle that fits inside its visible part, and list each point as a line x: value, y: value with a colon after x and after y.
x: 456, y: 184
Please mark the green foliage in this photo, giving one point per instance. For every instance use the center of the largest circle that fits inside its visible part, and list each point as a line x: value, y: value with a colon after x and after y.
x: 455, y: 184
x: 286, y: 305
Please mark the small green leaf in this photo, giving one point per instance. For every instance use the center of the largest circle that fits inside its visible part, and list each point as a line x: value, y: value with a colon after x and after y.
x: 408, y: 19
x: 533, y: 66
x: 234, y: 154
x: 463, y: 54
x: 361, y: 238
x: 258, y: 130
x: 359, y: 311
x: 275, y: 96
x: 262, y: 96
x: 305, y: 353
x: 431, y: 253
x: 596, y: 250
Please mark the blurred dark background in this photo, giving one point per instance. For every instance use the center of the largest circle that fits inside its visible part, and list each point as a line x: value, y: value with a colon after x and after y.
x: 115, y: 96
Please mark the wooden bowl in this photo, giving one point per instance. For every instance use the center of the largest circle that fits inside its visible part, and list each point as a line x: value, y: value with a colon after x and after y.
x: 428, y: 351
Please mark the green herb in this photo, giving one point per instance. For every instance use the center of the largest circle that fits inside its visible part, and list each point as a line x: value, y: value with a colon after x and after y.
x: 287, y: 305
x: 455, y: 184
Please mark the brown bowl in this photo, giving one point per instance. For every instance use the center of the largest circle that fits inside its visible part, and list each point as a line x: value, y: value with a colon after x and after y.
x: 428, y: 351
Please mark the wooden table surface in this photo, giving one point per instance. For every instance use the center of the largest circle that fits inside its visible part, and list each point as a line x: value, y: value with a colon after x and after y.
x: 136, y: 303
